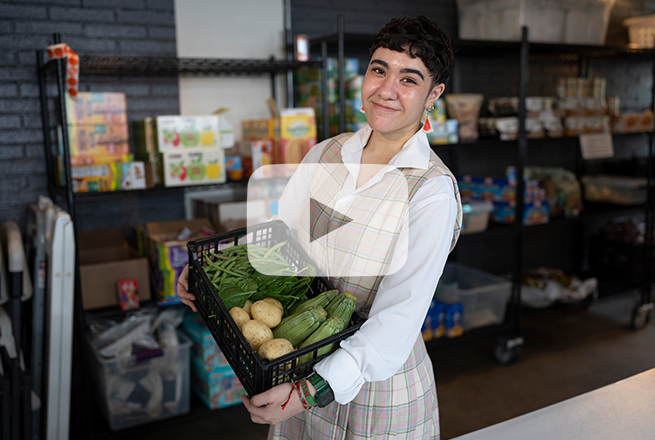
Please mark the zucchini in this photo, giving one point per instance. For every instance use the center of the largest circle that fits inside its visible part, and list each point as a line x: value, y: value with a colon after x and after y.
x: 336, y: 301
x: 320, y: 300
x: 296, y: 328
x: 345, y: 308
x: 330, y: 327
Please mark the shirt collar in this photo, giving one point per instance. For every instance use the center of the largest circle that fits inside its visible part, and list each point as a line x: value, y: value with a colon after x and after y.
x: 414, y: 154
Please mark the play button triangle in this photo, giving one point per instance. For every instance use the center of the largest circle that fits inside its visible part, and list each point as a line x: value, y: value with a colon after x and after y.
x: 324, y: 219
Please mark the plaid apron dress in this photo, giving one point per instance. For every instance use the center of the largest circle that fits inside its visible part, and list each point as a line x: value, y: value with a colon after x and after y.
x: 405, y: 405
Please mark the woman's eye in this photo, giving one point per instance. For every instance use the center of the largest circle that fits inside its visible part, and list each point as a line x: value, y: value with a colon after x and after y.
x: 377, y: 70
x: 409, y: 80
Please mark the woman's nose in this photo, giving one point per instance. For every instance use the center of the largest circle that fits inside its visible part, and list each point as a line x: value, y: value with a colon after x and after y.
x: 387, y: 89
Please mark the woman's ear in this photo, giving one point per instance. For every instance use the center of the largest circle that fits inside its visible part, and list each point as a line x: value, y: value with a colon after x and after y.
x: 435, y: 93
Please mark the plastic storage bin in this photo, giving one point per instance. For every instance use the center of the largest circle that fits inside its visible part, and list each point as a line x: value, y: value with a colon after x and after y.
x: 548, y: 21
x: 140, y: 389
x: 256, y: 374
x: 619, y: 190
x: 483, y: 296
x: 641, y: 31
x: 476, y: 215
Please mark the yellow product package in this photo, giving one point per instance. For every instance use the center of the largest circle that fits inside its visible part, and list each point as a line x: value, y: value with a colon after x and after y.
x: 295, y: 135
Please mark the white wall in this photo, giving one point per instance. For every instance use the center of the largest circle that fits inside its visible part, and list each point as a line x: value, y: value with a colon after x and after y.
x: 229, y: 29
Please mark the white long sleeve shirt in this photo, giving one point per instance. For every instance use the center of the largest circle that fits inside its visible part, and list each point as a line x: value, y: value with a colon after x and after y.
x: 383, y: 343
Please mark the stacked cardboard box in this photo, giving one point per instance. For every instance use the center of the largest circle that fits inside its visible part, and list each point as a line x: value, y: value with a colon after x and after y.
x: 283, y: 140
x: 98, y: 144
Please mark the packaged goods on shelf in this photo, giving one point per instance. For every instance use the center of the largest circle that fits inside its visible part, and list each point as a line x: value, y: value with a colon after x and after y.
x: 475, y: 215
x: 96, y: 108
x: 180, y: 132
x: 444, y: 133
x: 619, y: 190
x: 295, y: 135
x: 562, y: 190
x: 98, y: 140
x: 483, y: 297
x: 234, y: 168
x: 497, y: 190
x: 308, y: 83
x: 105, y: 260
x: 534, y: 213
x: 262, y: 153
x: 146, y: 385
x: 434, y: 326
x: 634, y: 122
x: 641, y: 31
x: 550, y: 21
x: 146, y: 149
x: 194, y: 166
x: 466, y: 109
x: 165, y: 246
x: 110, y: 177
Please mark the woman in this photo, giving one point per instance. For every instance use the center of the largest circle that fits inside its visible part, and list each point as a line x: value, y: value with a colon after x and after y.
x: 381, y: 378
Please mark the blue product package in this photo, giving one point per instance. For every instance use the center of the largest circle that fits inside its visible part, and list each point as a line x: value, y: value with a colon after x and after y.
x: 439, y: 320
x: 454, y: 320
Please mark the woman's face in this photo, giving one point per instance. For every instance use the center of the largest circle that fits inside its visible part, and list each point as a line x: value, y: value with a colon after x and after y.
x: 395, y: 91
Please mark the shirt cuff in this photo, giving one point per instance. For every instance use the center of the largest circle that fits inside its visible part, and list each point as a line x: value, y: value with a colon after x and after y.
x: 344, y: 377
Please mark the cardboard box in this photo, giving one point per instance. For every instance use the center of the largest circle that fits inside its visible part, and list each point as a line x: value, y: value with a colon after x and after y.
x: 168, y: 255
x: 110, y: 177
x: 295, y: 135
x: 197, y: 166
x: 175, y: 132
x: 106, y: 259
x: 96, y: 108
x: 98, y: 140
x: 218, y: 388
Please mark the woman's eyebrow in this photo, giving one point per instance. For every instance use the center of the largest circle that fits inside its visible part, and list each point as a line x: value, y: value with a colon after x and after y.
x: 407, y: 70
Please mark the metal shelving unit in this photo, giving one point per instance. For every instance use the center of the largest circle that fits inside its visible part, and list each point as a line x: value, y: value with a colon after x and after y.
x: 83, y: 407
x: 509, y: 339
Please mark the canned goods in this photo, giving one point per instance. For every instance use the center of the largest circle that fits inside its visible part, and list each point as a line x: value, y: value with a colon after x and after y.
x: 302, y: 48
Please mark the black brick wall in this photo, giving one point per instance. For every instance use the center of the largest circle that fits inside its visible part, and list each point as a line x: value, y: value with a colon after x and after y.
x: 132, y: 27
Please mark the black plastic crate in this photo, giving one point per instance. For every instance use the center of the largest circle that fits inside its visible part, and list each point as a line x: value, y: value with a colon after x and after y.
x: 256, y: 374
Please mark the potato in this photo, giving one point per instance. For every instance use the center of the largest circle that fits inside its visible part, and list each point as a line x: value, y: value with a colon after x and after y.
x: 267, y: 312
x: 247, y: 306
x: 275, y: 302
x: 275, y: 348
x: 256, y: 333
x: 239, y: 315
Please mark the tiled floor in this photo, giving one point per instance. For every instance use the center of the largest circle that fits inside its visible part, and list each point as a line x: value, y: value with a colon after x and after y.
x: 567, y: 352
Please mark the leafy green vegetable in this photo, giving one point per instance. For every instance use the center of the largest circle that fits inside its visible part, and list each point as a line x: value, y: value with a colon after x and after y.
x: 236, y: 280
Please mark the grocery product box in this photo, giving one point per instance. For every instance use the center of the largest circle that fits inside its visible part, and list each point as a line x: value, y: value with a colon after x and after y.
x: 89, y: 108
x: 99, y: 160
x: 105, y: 260
x: 144, y: 387
x: 483, y: 296
x: 174, y: 132
x: 620, y: 190
x: 295, y: 135
x: 145, y: 149
x: 204, y: 349
x: 165, y: 244
x: 109, y: 177
x: 534, y: 213
x: 497, y: 190
x: 98, y: 140
x: 218, y: 388
x: 197, y: 166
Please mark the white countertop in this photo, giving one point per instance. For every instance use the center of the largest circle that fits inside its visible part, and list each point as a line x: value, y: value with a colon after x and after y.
x: 624, y: 410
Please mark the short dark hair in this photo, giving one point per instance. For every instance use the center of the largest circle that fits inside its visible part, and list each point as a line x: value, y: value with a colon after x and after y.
x: 419, y: 37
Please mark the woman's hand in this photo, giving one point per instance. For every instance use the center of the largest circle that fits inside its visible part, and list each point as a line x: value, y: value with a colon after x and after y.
x: 266, y: 408
x: 183, y: 289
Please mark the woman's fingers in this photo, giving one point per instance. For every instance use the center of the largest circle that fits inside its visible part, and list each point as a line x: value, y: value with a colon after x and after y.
x: 183, y: 289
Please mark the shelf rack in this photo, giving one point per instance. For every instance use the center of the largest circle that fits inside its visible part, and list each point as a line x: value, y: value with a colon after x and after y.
x: 121, y: 65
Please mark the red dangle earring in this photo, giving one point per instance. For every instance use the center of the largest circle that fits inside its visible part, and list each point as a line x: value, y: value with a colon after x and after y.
x: 361, y: 110
x: 427, y: 126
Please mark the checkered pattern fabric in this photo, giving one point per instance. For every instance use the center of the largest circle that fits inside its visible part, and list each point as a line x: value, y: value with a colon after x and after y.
x: 404, y: 406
